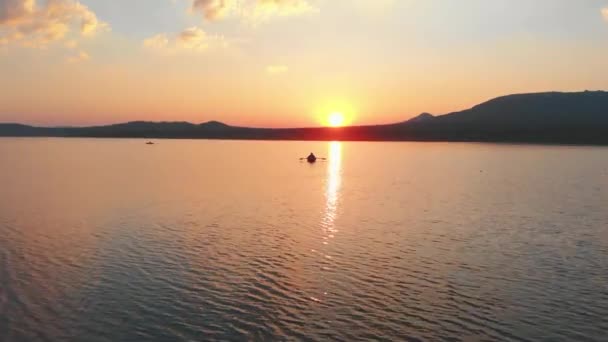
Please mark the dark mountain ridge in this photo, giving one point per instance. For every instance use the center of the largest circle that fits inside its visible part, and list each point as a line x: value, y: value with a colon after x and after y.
x: 553, y: 117
x: 589, y: 107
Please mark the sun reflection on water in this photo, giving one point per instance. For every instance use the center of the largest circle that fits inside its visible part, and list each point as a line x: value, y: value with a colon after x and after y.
x: 333, y: 183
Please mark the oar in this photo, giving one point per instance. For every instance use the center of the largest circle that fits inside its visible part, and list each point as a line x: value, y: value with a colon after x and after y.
x: 315, y: 159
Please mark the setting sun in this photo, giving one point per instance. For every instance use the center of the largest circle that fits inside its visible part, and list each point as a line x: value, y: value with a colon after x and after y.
x: 335, y: 119
x: 336, y: 112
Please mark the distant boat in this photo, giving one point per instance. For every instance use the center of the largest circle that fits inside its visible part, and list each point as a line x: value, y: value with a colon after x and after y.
x: 149, y: 143
x: 312, y: 159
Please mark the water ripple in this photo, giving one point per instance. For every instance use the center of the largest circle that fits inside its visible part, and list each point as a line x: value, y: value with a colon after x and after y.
x: 375, y: 245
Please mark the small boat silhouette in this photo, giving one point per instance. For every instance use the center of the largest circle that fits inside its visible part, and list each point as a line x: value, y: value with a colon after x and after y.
x: 312, y: 159
x: 149, y: 143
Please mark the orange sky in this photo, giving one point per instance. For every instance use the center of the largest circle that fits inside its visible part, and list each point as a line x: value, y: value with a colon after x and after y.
x: 288, y: 62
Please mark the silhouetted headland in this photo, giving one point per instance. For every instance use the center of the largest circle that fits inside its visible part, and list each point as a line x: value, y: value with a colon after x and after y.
x: 560, y: 118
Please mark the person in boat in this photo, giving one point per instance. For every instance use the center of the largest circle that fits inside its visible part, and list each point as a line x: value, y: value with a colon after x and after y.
x: 311, y: 158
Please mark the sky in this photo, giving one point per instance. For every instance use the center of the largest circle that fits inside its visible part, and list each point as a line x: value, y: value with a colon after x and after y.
x: 288, y: 63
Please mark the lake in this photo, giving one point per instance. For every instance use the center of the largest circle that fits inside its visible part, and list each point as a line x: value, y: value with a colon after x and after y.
x: 185, y: 240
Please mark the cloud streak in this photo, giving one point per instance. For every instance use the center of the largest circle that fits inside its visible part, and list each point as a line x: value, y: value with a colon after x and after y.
x: 193, y: 39
x: 214, y: 9
x: 251, y: 10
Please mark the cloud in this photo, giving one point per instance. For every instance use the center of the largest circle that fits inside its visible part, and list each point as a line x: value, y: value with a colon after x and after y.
x: 605, y: 13
x: 193, y: 38
x: 29, y: 24
x: 159, y: 41
x: 251, y: 10
x: 276, y: 69
x: 214, y: 9
x: 80, y: 57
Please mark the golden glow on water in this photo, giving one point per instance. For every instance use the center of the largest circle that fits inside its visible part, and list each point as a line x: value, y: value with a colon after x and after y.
x: 86, y: 230
x: 333, y: 183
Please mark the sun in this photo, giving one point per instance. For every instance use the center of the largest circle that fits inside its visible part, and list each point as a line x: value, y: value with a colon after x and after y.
x: 335, y: 119
x: 335, y: 113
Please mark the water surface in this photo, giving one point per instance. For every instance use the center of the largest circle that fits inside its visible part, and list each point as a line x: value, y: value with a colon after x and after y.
x: 115, y: 240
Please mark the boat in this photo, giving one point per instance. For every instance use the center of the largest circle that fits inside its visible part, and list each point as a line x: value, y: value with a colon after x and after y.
x: 149, y: 143
x: 311, y: 159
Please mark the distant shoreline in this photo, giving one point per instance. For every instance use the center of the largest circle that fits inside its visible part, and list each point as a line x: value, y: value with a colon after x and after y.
x: 488, y: 142
x: 541, y: 118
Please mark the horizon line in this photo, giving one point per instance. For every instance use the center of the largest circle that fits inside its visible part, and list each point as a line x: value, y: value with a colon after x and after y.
x: 304, y: 127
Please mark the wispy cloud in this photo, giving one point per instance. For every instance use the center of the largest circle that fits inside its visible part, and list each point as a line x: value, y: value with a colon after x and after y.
x: 277, y: 69
x: 251, y: 10
x: 605, y: 13
x: 193, y: 39
x: 159, y: 41
x: 28, y: 23
x: 214, y: 9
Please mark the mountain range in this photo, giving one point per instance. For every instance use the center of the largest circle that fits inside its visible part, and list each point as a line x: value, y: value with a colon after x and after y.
x: 552, y: 117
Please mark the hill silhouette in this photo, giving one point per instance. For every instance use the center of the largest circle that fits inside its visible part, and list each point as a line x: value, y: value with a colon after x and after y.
x: 537, y: 109
x: 553, y: 117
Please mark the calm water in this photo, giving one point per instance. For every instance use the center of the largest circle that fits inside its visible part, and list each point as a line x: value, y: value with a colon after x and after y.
x: 113, y: 240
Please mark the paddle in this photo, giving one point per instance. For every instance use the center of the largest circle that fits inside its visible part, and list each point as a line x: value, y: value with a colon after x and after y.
x: 316, y: 159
